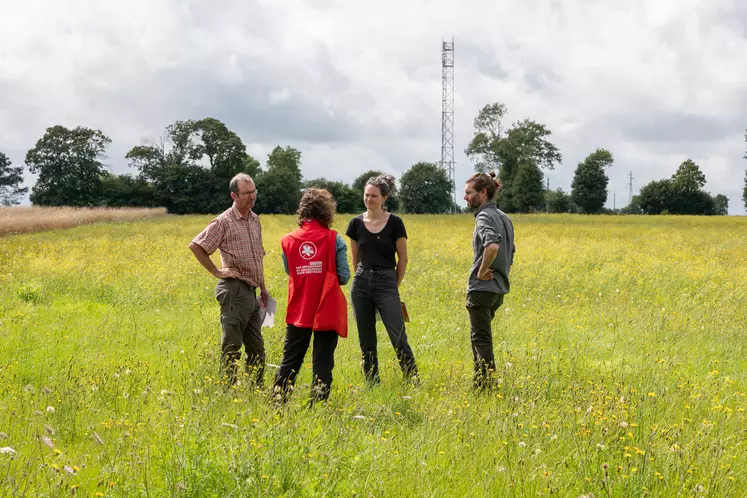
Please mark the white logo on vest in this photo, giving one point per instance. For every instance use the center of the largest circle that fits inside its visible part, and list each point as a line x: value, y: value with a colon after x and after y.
x: 307, y: 250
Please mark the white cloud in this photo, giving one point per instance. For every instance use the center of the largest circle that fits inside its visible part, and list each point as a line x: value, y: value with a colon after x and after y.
x: 356, y: 86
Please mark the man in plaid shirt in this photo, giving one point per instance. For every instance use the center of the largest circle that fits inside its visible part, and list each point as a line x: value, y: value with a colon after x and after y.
x: 238, y: 234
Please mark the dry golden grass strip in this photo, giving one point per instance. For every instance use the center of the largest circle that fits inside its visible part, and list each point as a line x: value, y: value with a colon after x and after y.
x: 14, y: 220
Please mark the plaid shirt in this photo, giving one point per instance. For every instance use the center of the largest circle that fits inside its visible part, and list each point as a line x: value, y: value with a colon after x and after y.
x: 240, y: 242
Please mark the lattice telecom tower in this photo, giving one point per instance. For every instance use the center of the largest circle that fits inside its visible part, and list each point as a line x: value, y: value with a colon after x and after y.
x: 447, y: 111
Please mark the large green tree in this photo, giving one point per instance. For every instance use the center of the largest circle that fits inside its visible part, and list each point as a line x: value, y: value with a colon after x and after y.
x: 688, y: 177
x: 126, y: 191
x: 589, y: 186
x: 11, y: 178
x: 558, y: 201
x: 346, y: 198
x: 69, y: 165
x: 174, y: 165
x: 656, y: 197
x: 721, y: 205
x: 426, y: 188
x: 688, y: 194
x: 279, y: 187
x: 359, y: 185
x: 528, y: 193
x: 522, y: 150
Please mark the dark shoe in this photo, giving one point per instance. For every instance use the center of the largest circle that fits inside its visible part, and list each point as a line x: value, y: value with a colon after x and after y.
x: 370, y: 365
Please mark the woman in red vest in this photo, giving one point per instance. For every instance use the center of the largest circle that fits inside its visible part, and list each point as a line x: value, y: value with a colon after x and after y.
x: 315, y: 258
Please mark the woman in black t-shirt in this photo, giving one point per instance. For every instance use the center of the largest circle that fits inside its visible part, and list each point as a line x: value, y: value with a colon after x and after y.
x: 378, y: 244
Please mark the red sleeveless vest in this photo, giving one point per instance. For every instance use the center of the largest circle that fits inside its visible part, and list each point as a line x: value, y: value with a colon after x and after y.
x: 307, y: 251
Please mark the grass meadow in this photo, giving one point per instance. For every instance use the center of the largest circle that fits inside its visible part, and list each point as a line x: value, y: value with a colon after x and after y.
x: 621, y: 350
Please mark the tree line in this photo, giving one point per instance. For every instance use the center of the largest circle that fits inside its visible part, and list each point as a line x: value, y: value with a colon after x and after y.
x: 187, y: 170
x: 521, y: 152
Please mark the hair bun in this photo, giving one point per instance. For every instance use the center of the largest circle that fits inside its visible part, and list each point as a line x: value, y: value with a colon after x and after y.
x: 496, y: 180
x: 389, y: 179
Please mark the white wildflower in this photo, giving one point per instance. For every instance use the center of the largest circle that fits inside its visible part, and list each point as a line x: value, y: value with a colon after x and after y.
x: 7, y: 450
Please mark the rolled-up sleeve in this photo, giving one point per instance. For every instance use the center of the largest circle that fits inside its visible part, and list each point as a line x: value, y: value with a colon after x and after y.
x: 343, y: 270
x: 211, y: 237
x: 487, y: 231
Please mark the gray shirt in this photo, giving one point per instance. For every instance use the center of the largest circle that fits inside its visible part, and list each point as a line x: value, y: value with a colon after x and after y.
x: 492, y: 226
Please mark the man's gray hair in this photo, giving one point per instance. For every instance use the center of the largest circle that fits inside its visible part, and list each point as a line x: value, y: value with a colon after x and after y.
x: 241, y: 177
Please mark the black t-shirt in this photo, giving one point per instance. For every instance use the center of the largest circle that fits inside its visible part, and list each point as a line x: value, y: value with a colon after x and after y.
x: 377, y: 250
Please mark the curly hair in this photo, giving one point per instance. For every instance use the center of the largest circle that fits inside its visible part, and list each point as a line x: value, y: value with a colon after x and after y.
x: 317, y: 204
x: 482, y: 181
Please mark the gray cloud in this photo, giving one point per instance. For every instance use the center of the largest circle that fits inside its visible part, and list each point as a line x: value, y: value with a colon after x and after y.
x: 357, y: 88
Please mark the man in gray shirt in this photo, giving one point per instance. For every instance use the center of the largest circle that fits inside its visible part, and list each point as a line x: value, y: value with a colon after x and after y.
x: 493, y: 246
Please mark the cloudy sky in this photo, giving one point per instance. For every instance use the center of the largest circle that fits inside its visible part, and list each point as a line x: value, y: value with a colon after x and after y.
x: 357, y: 87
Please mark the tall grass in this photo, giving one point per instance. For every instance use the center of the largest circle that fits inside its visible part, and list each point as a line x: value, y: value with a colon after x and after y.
x: 621, y: 351
x: 23, y: 219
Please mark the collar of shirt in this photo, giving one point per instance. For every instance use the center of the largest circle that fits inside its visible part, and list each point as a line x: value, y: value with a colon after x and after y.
x: 237, y: 215
x: 484, y: 207
x: 311, y: 222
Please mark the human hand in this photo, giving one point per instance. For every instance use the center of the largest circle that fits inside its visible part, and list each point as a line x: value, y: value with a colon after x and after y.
x: 264, y: 297
x: 226, y: 273
x: 486, y: 275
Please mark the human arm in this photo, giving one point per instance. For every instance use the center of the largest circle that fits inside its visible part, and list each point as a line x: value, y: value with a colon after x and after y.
x: 491, y: 239
x: 341, y: 260
x: 402, y: 259
x: 285, y: 262
x: 202, y: 256
x: 485, y: 272
x: 354, y: 253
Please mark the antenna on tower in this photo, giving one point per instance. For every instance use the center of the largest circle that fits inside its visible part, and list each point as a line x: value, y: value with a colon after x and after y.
x: 630, y: 187
x: 447, y: 112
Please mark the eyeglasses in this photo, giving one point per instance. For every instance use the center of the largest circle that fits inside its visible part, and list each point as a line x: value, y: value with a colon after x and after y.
x: 247, y: 193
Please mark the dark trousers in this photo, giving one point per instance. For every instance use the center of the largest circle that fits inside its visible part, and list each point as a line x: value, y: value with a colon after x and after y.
x: 376, y: 290
x: 482, y: 307
x: 240, y: 319
x: 297, y: 342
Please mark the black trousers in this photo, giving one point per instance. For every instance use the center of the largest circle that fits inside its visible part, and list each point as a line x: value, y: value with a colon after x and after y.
x: 482, y: 307
x: 240, y: 320
x: 297, y: 342
x: 376, y: 290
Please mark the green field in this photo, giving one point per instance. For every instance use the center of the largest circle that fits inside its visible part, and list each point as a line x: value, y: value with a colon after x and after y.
x: 621, y: 350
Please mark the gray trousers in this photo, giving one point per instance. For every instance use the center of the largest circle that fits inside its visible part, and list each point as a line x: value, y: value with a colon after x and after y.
x: 240, y: 320
x: 482, y: 307
x: 376, y: 290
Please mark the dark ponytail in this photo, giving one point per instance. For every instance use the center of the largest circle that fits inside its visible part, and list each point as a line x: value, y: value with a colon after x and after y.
x: 490, y: 183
